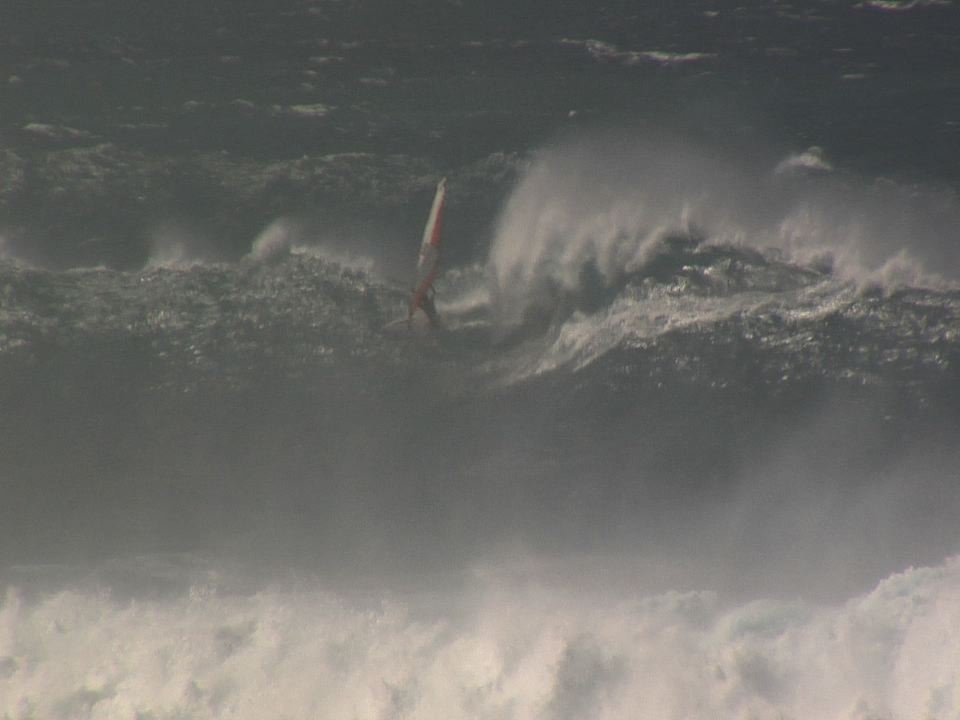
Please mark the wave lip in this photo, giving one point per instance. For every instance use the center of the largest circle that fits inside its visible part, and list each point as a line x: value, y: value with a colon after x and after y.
x: 638, y: 245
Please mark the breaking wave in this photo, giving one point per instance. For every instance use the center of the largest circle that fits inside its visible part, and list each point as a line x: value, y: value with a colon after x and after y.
x: 612, y: 242
x: 508, y: 648
x: 598, y: 212
x: 671, y: 372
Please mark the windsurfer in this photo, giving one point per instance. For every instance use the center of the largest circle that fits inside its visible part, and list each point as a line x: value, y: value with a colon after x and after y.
x: 428, y: 264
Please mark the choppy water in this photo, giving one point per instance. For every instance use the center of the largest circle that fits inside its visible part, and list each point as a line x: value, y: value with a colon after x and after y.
x: 685, y: 447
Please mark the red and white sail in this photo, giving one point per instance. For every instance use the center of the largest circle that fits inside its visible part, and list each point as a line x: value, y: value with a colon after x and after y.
x: 429, y: 263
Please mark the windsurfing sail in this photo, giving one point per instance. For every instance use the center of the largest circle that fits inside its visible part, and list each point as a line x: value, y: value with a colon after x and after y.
x: 429, y: 263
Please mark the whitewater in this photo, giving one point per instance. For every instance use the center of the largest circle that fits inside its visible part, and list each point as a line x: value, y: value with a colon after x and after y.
x: 505, y: 649
x: 685, y: 446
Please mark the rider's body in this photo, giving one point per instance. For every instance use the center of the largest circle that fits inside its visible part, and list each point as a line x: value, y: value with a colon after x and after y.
x: 429, y: 308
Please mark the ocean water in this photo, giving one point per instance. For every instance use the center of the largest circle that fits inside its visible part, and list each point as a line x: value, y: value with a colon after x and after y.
x: 687, y: 445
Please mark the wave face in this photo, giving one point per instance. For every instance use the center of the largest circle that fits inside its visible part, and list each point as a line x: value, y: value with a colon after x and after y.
x: 686, y: 444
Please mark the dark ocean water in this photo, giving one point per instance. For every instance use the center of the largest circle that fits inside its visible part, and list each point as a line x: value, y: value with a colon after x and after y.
x: 686, y: 446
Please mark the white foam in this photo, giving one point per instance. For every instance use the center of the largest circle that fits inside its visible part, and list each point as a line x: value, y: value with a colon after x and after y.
x: 605, y: 51
x: 346, y: 259
x: 56, y: 132
x: 609, y: 204
x: 285, y: 236
x: 508, y: 651
x: 606, y: 204
x: 174, y: 246
x: 274, y: 240
x: 811, y: 159
x: 326, y: 59
x: 673, y: 58
x: 313, y: 110
x: 901, y: 5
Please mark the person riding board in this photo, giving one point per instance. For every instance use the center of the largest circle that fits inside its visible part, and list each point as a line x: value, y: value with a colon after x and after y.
x: 428, y: 264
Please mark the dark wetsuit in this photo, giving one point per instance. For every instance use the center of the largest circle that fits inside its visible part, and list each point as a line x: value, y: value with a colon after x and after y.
x: 430, y: 309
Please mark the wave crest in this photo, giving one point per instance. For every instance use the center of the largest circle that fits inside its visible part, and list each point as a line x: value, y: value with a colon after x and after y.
x: 588, y: 214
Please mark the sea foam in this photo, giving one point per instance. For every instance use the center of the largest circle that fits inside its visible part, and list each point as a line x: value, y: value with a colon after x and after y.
x: 508, y: 650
